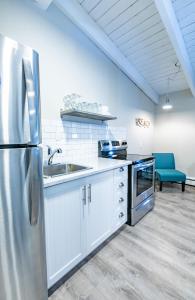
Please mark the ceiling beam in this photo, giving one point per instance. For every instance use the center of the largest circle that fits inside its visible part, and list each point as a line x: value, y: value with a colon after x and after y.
x: 167, y: 13
x: 43, y: 4
x: 78, y: 16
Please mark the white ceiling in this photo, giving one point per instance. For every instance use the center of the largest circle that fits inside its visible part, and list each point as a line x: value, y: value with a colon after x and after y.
x: 185, y: 14
x: 135, y: 27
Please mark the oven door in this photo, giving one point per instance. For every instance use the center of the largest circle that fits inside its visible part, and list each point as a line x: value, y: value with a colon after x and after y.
x: 142, y: 182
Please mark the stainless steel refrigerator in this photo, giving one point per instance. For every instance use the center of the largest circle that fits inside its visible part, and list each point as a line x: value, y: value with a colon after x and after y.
x: 22, y: 237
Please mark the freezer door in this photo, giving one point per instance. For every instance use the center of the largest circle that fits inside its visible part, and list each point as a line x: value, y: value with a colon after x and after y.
x: 19, y: 94
x: 22, y: 234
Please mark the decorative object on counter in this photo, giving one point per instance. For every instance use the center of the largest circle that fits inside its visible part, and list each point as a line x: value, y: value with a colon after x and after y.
x: 78, y: 103
x: 141, y: 122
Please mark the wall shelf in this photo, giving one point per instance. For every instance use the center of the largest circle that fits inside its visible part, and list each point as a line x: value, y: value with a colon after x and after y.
x: 86, y: 117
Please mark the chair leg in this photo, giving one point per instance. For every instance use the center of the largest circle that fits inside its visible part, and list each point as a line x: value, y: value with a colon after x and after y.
x: 161, y: 184
x: 183, y: 186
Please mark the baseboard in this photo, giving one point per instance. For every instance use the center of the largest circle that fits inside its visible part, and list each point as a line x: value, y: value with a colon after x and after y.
x: 190, y: 181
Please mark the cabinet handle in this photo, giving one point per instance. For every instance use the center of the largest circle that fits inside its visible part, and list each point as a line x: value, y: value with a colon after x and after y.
x: 84, y: 195
x: 121, y: 185
x: 121, y: 215
x: 89, y: 193
x: 121, y: 200
x: 121, y: 169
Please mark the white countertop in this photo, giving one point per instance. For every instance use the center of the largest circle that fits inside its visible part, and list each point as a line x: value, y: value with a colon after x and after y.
x: 97, y: 166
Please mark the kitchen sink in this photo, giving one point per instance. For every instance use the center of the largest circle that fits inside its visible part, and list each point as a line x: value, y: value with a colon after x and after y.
x: 62, y: 169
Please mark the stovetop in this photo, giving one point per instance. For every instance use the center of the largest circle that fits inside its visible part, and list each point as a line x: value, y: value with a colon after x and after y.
x: 118, y: 150
x: 138, y: 158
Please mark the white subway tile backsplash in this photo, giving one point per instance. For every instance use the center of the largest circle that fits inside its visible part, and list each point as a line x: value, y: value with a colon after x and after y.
x: 79, y: 141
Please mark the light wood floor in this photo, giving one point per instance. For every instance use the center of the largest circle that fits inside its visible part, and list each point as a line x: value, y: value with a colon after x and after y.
x: 152, y: 261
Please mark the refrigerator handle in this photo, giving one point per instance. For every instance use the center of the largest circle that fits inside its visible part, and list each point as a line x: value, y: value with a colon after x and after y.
x: 32, y: 91
x: 35, y: 185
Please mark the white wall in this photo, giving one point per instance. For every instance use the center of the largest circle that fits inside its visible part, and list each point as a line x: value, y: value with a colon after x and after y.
x: 70, y: 62
x: 175, y: 130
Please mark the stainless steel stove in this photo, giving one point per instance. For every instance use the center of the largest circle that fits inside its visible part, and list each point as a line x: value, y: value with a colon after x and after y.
x: 140, y: 177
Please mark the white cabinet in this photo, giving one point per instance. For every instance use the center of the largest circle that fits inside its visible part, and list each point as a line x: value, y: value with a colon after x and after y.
x: 100, y: 201
x: 65, y: 228
x: 79, y: 216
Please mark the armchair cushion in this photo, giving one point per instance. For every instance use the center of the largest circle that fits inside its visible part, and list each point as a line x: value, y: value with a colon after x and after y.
x: 170, y: 175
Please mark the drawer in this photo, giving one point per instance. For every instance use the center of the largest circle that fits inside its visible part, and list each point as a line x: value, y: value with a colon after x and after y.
x: 122, y: 171
x: 120, y: 217
x: 120, y: 199
x: 120, y: 186
x: 120, y: 176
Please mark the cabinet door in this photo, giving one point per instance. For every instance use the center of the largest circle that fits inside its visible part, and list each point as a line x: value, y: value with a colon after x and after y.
x: 100, y: 209
x: 65, y: 227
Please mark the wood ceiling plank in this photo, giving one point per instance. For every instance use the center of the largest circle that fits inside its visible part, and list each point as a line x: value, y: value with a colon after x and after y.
x: 189, y: 36
x: 152, y: 54
x: 187, y: 20
x: 43, y: 4
x: 166, y: 76
x: 147, y: 64
x: 115, y: 11
x: 166, y: 69
x: 154, y: 60
x: 88, y: 5
x: 152, y: 41
x: 186, y: 11
x: 127, y: 14
x: 189, y: 41
x: 163, y: 89
x: 147, y: 36
x: 151, y: 47
x: 138, y: 30
x: 147, y: 68
x: 132, y: 22
x: 188, y: 29
x: 181, y: 4
x: 102, y: 8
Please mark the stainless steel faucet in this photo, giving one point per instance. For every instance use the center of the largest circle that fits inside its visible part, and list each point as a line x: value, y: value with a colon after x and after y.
x: 51, y: 154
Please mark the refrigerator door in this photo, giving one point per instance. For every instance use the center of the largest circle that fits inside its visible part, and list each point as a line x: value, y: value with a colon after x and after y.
x: 19, y: 94
x: 22, y: 234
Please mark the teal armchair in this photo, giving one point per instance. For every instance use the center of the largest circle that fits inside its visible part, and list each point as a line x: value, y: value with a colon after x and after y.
x: 165, y: 169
